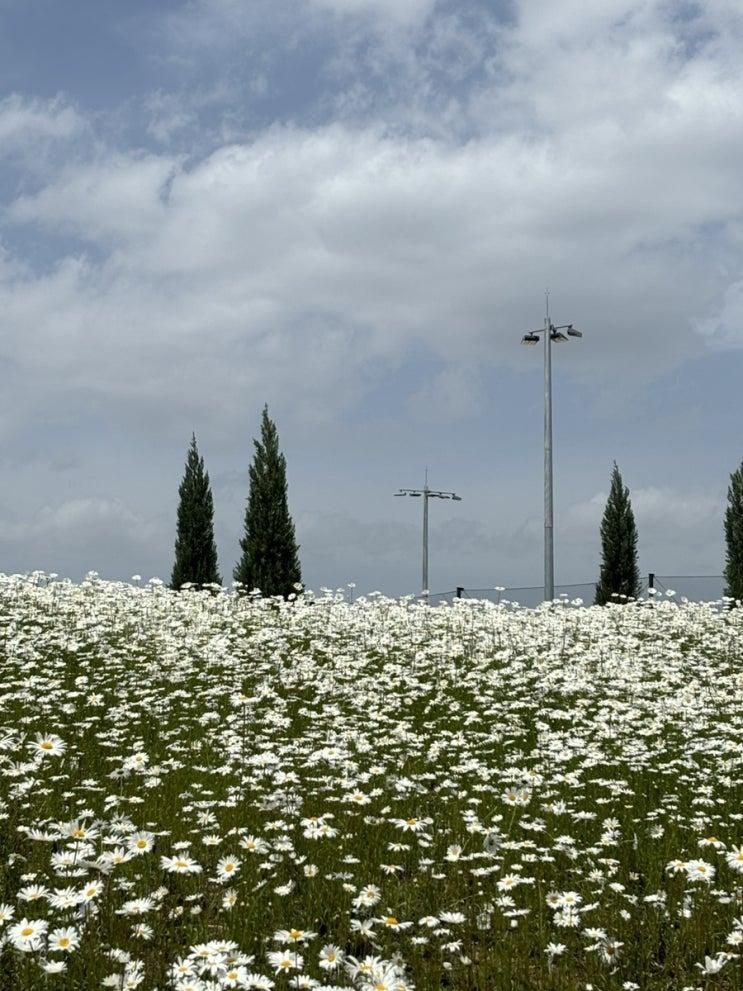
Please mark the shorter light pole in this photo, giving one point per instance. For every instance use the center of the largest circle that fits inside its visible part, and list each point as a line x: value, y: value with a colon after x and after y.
x: 427, y: 494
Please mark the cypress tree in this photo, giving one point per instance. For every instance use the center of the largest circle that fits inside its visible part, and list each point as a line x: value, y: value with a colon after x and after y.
x: 195, y: 549
x: 270, y: 555
x: 734, y: 536
x: 620, y: 572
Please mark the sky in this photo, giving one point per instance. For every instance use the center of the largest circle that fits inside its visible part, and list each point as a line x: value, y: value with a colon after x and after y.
x: 351, y: 210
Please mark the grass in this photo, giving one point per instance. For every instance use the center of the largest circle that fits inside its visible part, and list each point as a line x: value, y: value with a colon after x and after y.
x: 467, y: 797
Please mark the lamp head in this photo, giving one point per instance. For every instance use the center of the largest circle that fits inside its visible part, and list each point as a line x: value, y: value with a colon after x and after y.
x: 573, y: 332
x: 530, y: 339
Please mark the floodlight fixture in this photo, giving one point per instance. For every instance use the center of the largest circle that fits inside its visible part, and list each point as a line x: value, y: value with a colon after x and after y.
x: 530, y: 339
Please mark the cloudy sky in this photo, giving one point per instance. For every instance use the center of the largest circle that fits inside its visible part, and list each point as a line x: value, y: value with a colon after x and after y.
x: 350, y: 210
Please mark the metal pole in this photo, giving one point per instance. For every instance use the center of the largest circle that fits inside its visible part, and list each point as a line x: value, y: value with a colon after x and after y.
x: 549, y: 551
x: 427, y: 494
x: 532, y: 338
x: 425, y: 590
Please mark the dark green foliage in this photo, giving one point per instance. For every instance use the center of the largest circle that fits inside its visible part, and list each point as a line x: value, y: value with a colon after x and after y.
x: 620, y: 572
x: 195, y: 549
x: 734, y: 536
x: 270, y: 559
x: 10, y: 968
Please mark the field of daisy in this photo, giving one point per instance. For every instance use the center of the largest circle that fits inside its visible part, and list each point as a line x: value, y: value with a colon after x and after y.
x: 201, y: 792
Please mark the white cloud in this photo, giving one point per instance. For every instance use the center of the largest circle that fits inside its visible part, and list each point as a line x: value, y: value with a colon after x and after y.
x: 222, y: 23
x: 27, y: 123
x: 344, y: 246
x: 399, y: 12
x: 79, y: 534
x: 725, y: 327
x: 454, y: 393
x: 72, y: 518
x: 168, y: 116
x: 654, y: 507
x: 682, y: 511
x: 105, y: 202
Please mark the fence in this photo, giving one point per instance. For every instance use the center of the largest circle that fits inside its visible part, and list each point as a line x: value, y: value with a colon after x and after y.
x: 695, y: 588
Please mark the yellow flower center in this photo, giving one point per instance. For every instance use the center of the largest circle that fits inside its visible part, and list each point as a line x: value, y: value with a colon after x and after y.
x: 27, y: 931
x: 63, y: 942
x: 295, y: 934
x: 46, y: 745
x: 390, y: 920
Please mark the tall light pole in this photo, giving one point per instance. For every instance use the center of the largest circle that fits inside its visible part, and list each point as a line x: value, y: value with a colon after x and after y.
x: 551, y: 333
x: 427, y: 494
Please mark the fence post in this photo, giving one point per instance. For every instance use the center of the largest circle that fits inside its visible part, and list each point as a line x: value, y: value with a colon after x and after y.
x: 460, y: 589
x: 651, y: 580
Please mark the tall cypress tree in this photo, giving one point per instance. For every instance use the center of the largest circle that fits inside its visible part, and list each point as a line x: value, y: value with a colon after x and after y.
x: 620, y: 572
x: 734, y: 536
x: 195, y: 549
x: 270, y: 555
